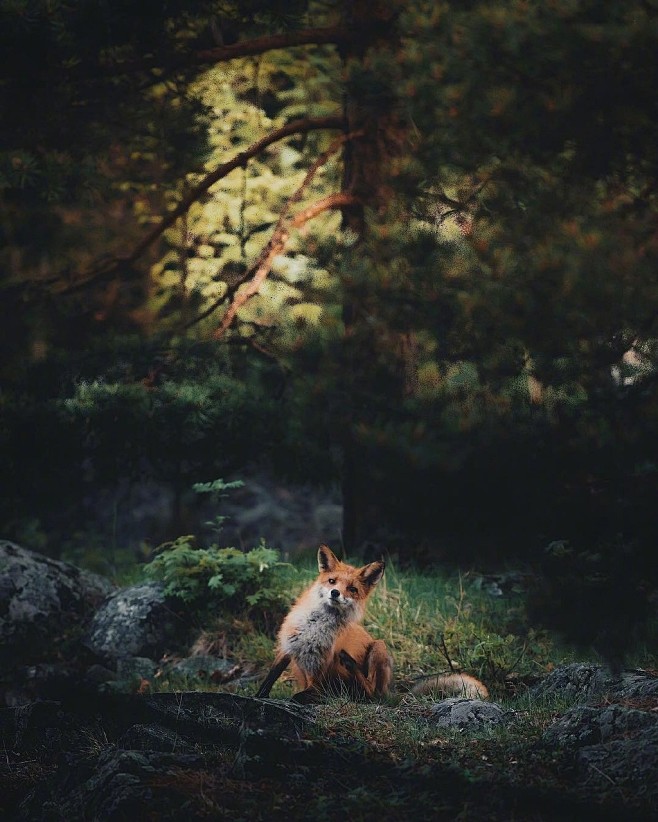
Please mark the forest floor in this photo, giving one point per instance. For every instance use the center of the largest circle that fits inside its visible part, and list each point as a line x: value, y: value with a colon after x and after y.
x: 192, y: 748
x: 334, y: 760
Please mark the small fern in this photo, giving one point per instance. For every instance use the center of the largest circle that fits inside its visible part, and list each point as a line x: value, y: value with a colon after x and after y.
x: 218, y: 578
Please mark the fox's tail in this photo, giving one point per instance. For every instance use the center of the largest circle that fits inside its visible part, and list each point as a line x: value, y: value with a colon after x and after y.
x: 446, y: 685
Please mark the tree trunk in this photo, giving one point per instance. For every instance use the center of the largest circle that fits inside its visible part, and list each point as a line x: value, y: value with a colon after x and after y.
x: 365, y: 165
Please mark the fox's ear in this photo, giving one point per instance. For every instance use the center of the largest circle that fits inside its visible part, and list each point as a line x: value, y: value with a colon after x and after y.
x: 371, y: 574
x: 327, y: 560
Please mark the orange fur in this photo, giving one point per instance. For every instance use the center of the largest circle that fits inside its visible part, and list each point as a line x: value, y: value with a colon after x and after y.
x: 454, y: 684
x: 322, y: 640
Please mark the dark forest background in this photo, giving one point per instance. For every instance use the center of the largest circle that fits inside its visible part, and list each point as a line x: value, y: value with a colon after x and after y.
x: 408, y: 249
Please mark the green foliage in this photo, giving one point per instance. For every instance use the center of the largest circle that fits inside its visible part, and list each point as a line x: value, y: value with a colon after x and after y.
x: 217, y: 578
x: 475, y: 336
x: 216, y: 490
x: 214, y: 578
x: 222, y: 234
x: 433, y: 621
x: 190, y: 403
x: 216, y: 487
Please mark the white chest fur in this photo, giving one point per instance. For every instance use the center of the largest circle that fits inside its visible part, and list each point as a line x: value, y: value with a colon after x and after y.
x: 312, y: 629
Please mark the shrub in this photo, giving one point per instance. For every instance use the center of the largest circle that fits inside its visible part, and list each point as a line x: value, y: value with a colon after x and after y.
x: 219, y: 578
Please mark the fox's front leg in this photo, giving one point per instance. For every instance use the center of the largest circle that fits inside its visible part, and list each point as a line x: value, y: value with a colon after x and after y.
x: 374, y: 678
x: 348, y: 661
x: 281, y: 662
x: 358, y: 676
x: 379, y: 668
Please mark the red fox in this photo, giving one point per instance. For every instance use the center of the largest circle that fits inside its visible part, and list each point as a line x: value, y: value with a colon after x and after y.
x: 323, y: 641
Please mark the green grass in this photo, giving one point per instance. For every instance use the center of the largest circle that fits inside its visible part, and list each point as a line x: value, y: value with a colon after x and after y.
x: 431, y: 622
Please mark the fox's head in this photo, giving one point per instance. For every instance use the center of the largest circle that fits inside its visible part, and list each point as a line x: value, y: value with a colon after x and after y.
x: 343, y: 587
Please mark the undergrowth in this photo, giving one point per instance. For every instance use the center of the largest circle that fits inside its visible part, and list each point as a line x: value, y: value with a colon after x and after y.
x: 431, y: 623
x: 403, y: 730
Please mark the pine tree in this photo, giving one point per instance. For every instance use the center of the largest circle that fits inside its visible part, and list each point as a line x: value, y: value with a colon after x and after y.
x: 439, y: 218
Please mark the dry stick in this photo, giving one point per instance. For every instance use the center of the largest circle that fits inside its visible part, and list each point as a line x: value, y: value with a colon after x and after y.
x: 446, y: 654
x: 277, y: 242
x: 241, y: 159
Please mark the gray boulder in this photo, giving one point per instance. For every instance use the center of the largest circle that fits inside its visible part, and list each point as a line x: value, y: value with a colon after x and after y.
x: 583, y: 682
x: 39, y: 599
x: 610, y: 746
x: 138, y: 621
x: 471, y: 714
x: 586, y: 725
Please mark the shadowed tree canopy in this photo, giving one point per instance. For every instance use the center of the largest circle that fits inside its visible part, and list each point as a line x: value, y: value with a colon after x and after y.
x: 432, y: 226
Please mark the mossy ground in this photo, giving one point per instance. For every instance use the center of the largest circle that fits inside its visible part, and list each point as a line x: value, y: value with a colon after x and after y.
x: 430, y: 621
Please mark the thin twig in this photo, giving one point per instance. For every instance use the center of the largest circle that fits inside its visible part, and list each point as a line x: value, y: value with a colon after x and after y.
x: 446, y: 654
x: 603, y: 774
x: 274, y: 248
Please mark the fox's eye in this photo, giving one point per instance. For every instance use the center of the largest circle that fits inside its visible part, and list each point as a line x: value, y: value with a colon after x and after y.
x: 352, y: 589
x: 332, y: 582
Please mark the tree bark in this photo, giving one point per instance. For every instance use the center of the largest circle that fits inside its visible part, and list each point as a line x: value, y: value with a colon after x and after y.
x: 365, y: 167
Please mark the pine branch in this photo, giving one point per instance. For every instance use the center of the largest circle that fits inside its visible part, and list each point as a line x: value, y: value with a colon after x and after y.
x: 276, y: 247
x: 280, y: 236
x: 106, y: 271
x: 337, y: 35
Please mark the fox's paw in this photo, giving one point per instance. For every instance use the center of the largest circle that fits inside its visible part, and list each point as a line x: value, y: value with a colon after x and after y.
x: 310, y: 696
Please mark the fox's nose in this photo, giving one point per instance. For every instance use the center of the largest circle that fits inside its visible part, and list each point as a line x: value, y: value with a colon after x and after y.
x: 335, y: 593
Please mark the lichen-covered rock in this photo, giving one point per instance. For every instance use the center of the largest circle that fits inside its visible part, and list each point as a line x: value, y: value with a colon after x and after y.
x: 154, y: 737
x: 39, y: 599
x: 587, y: 725
x: 467, y: 713
x: 579, y: 681
x: 113, y: 785
x: 584, y: 682
x: 630, y: 763
x: 136, y: 667
x: 152, y: 756
x: 215, y: 713
x: 137, y: 621
x: 635, y: 685
x: 610, y: 745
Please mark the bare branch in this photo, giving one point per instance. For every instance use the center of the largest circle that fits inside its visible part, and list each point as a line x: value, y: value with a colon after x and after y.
x: 329, y: 35
x: 275, y: 247
x: 338, y: 200
x: 280, y: 236
x: 260, y: 45
x: 241, y: 159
